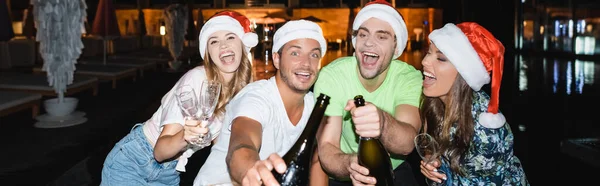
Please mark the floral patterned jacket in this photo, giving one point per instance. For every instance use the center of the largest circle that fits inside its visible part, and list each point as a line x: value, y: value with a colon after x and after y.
x: 489, y: 159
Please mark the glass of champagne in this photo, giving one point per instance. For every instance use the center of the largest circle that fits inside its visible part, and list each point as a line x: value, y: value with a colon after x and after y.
x: 209, y: 98
x: 428, y: 148
x: 188, y: 102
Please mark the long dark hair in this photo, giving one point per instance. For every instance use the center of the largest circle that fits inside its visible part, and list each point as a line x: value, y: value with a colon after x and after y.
x: 440, y: 117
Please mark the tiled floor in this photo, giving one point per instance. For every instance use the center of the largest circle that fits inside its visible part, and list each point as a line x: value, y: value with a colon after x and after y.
x: 545, y: 102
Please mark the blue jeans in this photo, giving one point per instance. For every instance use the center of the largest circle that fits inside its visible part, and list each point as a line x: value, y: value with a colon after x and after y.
x: 131, y: 162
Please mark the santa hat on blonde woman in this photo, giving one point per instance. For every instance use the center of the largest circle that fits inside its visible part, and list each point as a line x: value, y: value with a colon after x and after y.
x: 475, y: 53
x: 228, y: 21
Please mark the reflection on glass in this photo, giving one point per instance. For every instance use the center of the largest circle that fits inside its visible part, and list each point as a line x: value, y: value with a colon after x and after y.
x: 585, y: 45
x: 569, y: 78
x: 585, y: 69
x: 545, y: 71
x: 579, y: 78
x: 522, y: 73
x: 555, y: 71
x: 570, y: 29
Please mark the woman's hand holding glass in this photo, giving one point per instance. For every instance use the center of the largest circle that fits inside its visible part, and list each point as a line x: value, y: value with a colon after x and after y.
x: 209, y: 97
x: 428, y: 149
x: 194, y: 132
x: 430, y: 170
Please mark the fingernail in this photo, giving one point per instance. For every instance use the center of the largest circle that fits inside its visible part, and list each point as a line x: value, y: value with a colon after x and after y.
x: 439, y: 181
x: 280, y: 167
x: 434, y: 170
x: 444, y: 178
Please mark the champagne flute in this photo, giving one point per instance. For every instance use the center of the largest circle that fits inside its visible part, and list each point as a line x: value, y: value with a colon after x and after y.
x: 188, y: 102
x: 428, y: 148
x: 209, y: 97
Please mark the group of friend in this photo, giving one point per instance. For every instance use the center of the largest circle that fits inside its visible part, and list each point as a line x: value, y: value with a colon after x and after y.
x: 256, y: 122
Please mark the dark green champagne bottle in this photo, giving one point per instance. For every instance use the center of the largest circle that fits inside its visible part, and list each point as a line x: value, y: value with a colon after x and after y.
x: 373, y: 156
x: 298, y: 159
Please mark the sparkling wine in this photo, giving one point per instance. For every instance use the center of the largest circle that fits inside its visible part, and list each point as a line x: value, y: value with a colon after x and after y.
x: 373, y: 156
x: 298, y: 158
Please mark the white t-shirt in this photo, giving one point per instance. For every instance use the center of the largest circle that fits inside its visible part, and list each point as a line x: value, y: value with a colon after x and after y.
x: 169, y: 112
x: 260, y: 101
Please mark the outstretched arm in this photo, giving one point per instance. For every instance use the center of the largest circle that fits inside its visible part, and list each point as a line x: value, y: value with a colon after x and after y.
x: 243, y: 160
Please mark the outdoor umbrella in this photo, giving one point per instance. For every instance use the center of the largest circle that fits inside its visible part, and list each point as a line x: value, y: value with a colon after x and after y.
x: 314, y: 19
x: 141, y: 25
x: 191, y: 33
x: 6, y: 34
x: 200, y: 22
x: 28, y: 27
x: 351, y: 16
x: 59, y: 33
x: 105, y: 23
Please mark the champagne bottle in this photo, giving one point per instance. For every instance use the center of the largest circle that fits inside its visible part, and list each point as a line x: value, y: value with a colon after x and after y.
x: 373, y: 156
x: 298, y: 159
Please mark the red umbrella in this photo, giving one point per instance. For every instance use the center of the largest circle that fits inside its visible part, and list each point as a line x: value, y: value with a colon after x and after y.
x: 105, y: 23
x: 141, y: 25
x: 28, y: 26
x: 191, y: 33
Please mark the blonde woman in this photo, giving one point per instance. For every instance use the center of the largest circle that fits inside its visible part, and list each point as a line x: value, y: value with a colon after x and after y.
x: 154, y: 152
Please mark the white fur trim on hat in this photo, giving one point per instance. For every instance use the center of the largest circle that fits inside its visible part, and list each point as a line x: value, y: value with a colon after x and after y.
x: 451, y: 41
x: 226, y: 23
x: 387, y: 14
x: 492, y: 121
x: 299, y: 29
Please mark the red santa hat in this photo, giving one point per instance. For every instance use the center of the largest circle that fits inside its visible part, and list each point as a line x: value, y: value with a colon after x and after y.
x: 384, y: 11
x: 475, y: 53
x: 229, y: 21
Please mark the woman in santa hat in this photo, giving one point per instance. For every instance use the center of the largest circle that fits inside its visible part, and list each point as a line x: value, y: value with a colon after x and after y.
x: 154, y: 152
x: 475, y: 142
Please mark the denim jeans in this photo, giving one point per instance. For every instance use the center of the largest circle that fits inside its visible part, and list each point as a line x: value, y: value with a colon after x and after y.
x: 131, y: 162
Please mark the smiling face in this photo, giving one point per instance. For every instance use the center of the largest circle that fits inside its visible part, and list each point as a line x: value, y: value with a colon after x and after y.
x: 225, y: 50
x: 298, y: 63
x: 440, y: 74
x: 375, y: 47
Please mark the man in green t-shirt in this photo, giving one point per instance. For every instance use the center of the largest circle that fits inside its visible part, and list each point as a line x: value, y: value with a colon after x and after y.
x: 391, y: 88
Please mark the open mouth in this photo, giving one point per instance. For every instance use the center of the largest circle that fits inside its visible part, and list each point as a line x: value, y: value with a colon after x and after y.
x: 303, y: 76
x: 429, y: 75
x: 370, y: 58
x: 429, y: 78
x: 227, y: 57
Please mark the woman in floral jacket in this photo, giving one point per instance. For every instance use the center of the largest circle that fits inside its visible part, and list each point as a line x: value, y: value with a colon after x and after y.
x: 476, y: 143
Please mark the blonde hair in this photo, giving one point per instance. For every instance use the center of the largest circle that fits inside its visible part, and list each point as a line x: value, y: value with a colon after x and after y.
x: 242, y: 76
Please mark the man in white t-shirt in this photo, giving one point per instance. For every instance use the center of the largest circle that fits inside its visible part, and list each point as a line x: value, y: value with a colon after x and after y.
x: 266, y: 117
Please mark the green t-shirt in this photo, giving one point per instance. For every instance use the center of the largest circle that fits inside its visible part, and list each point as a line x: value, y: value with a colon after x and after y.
x: 339, y: 80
